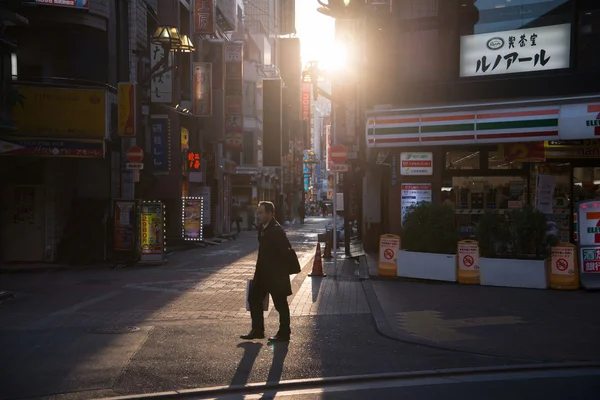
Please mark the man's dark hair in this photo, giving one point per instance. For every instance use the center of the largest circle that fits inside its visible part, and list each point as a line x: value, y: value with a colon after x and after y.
x: 269, y: 206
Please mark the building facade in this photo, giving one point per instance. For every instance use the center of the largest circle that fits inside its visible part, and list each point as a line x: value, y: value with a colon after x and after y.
x: 489, y: 103
x: 60, y: 165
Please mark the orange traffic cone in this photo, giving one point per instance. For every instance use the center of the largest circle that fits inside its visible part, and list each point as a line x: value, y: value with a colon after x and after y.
x: 317, y: 269
x: 327, y: 252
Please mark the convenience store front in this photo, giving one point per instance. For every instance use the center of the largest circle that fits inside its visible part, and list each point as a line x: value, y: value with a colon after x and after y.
x: 488, y: 157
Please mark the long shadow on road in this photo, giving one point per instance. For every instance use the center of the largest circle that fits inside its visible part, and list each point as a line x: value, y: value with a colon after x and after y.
x: 81, y: 334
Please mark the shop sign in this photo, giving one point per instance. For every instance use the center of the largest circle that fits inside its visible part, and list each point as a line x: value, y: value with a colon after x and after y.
x: 589, y: 224
x: 191, y: 215
x: 204, y: 17
x: 58, y: 112
x: 127, y: 122
x: 580, y: 121
x: 416, y: 163
x: 590, y: 260
x: 52, y: 148
x: 413, y: 194
x: 65, y: 3
x: 202, y: 105
x: 193, y: 159
x: 152, y: 229
x: 161, y: 159
x: 587, y: 148
x: 523, y: 50
x: 161, y: 86
x: 124, y: 225
x: 234, y: 103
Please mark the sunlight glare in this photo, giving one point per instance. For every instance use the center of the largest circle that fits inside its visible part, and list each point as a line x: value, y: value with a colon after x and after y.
x: 334, y: 59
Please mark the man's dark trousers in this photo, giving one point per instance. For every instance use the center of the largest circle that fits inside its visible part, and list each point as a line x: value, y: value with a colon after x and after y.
x: 257, y: 295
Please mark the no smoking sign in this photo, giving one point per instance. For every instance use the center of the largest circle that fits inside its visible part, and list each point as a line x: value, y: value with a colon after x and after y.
x: 388, y: 254
x: 468, y: 261
x: 562, y: 264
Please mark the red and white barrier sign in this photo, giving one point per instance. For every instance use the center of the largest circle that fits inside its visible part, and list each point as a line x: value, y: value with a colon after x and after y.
x: 388, y: 247
x: 562, y: 260
x: 468, y: 256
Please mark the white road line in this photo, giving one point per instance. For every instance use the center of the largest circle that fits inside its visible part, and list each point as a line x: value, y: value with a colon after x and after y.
x: 42, y: 322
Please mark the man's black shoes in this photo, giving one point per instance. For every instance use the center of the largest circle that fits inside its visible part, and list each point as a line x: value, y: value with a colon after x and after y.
x: 253, y: 335
x: 279, y: 338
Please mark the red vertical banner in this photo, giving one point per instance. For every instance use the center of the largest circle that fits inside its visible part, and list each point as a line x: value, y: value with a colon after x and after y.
x: 204, y: 17
x: 306, y: 86
x: 234, y: 88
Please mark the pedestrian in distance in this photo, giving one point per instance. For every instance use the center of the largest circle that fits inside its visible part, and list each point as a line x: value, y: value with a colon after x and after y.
x: 301, y: 213
x: 235, y: 215
x: 271, y: 276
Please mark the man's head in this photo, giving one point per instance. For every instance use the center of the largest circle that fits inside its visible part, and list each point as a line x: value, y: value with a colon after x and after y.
x: 266, y: 212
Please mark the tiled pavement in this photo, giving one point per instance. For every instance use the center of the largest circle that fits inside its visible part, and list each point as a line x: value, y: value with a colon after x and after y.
x: 340, y: 292
x: 198, y: 284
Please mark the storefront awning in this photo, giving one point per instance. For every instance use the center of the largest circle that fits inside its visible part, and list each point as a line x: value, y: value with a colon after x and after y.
x: 531, y: 121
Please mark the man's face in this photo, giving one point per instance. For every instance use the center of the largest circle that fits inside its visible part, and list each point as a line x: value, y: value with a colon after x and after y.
x: 264, y: 217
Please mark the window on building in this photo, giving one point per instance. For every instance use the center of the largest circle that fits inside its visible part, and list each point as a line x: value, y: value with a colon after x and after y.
x: 496, y: 161
x: 412, y: 9
x: 461, y: 159
x: 505, y: 15
x: 588, y: 40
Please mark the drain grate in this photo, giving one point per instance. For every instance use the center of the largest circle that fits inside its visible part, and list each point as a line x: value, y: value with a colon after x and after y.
x: 114, y: 330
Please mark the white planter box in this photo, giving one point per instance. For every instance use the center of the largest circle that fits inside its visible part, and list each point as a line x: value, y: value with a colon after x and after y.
x: 513, y: 273
x: 438, y: 267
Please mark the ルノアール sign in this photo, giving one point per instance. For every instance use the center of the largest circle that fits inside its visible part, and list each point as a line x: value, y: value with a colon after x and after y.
x: 524, y: 50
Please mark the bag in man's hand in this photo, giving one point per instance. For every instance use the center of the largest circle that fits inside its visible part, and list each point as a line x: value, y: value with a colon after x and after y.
x: 265, y: 303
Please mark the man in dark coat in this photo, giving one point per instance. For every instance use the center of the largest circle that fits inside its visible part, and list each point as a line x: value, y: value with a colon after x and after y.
x: 271, y: 276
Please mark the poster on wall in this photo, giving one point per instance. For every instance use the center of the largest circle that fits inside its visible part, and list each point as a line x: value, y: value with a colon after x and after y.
x: 192, y: 212
x: 413, y: 194
x: 124, y: 225
x: 24, y: 200
x: 152, y: 230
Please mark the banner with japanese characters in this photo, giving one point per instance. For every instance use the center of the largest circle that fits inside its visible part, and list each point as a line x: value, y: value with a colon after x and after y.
x: 523, y: 50
x: 161, y: 86
x: 161, y: 159
x: 234, y: 86
x: 202, y: 104
x: 204, y: 17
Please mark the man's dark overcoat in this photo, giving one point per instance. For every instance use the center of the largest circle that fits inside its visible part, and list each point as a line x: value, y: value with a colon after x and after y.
x: 271, y: 272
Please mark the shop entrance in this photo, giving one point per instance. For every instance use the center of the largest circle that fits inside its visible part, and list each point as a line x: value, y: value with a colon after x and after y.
x: 22, y: 219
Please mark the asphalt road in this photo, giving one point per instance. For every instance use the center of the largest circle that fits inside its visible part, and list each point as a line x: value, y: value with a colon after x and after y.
x: 106, y: 332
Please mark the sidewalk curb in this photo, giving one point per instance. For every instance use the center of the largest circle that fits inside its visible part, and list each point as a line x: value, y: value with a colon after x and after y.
x: 385, y: 330
x: 313, y: 383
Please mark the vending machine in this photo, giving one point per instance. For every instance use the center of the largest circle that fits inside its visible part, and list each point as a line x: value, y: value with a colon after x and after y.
x: 587, y: 225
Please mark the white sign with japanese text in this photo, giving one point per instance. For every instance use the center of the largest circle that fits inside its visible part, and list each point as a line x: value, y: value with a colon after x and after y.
x: 416, y: 164
x: 509, y: 52
x: 162, y: 81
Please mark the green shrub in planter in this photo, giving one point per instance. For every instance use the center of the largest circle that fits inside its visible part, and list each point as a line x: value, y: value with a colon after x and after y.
x: 520, y: 233
x: 429, y: 228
